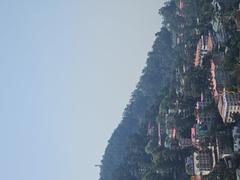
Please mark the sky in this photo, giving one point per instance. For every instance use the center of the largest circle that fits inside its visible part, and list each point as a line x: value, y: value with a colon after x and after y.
x: 67, y: 70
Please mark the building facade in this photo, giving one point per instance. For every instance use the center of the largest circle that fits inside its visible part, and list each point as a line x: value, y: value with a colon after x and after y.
x: 228, y: 105
x: 201, y: 163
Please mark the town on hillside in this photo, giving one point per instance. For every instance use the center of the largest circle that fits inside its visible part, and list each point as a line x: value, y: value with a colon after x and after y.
x: 183, y: 121
x: 214, y: 137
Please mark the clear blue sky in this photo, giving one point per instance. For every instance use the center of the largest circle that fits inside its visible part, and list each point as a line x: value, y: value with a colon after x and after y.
x: 67, y: 69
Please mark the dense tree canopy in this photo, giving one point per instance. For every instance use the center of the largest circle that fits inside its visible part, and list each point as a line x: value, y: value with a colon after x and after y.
x: 155, y: 77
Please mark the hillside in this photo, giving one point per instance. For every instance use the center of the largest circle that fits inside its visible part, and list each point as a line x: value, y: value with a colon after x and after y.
x: 194, y: 63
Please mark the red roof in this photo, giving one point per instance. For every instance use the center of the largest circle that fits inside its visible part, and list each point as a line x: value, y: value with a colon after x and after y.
x: 193, y: 135
x: 210, y: 42
x: 159, y: 134
x: 197, y: 60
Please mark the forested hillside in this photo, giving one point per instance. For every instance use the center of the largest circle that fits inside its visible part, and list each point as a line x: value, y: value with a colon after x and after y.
x: 195, y: 54
x: 156, y: 75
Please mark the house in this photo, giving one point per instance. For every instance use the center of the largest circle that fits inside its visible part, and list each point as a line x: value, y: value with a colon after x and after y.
x: 231, y: 162
x: 180, y: 79
x: 185, y: 112
x: 185, y: 142
x: 180, y: 6
x: 202, y: 130
x: 193, y: 135
x: 201, y: 110
x: 204, y: 162
x: 153, y: 129
x: 213, y: 81
x: 218, y: 32
x: 205, y: 45
x: 201, y: 163
x: 171, y: 133
x: 228, y: 105
x: 209, y: 42
x: 217, y: 78
x: 197, y: 60
x: 189, y: 165
x: 206, y: 100
x: 201, y: 114
x: 236, y: 138
x: 227, y: 102
x: 223, y: 145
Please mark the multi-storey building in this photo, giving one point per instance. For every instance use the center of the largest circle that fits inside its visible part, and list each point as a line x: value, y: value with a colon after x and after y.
x: 205, y: 45
x: 200, y: 163
x: 228, y: 105
x: 228, y: 102
x: 223, y: 147
x: 202, y: 130
x: 203, y: 162
x: 189, y: 165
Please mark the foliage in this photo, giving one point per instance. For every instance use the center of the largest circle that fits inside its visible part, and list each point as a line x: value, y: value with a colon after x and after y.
x: 156, y: 76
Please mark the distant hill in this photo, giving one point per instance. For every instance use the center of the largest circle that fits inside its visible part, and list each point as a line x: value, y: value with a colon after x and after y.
x: 155, y: 77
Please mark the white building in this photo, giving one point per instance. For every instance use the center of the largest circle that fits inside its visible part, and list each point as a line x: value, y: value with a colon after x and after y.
x: 228, y: 105
x: 204, y: 162
x: 200, y: 163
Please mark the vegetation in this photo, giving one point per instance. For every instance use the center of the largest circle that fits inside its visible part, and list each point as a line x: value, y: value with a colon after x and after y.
x: 156, y: 76
x: 167, y: 93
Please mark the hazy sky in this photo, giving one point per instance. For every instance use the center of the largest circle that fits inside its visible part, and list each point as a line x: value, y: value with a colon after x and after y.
x: 67, y: 69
